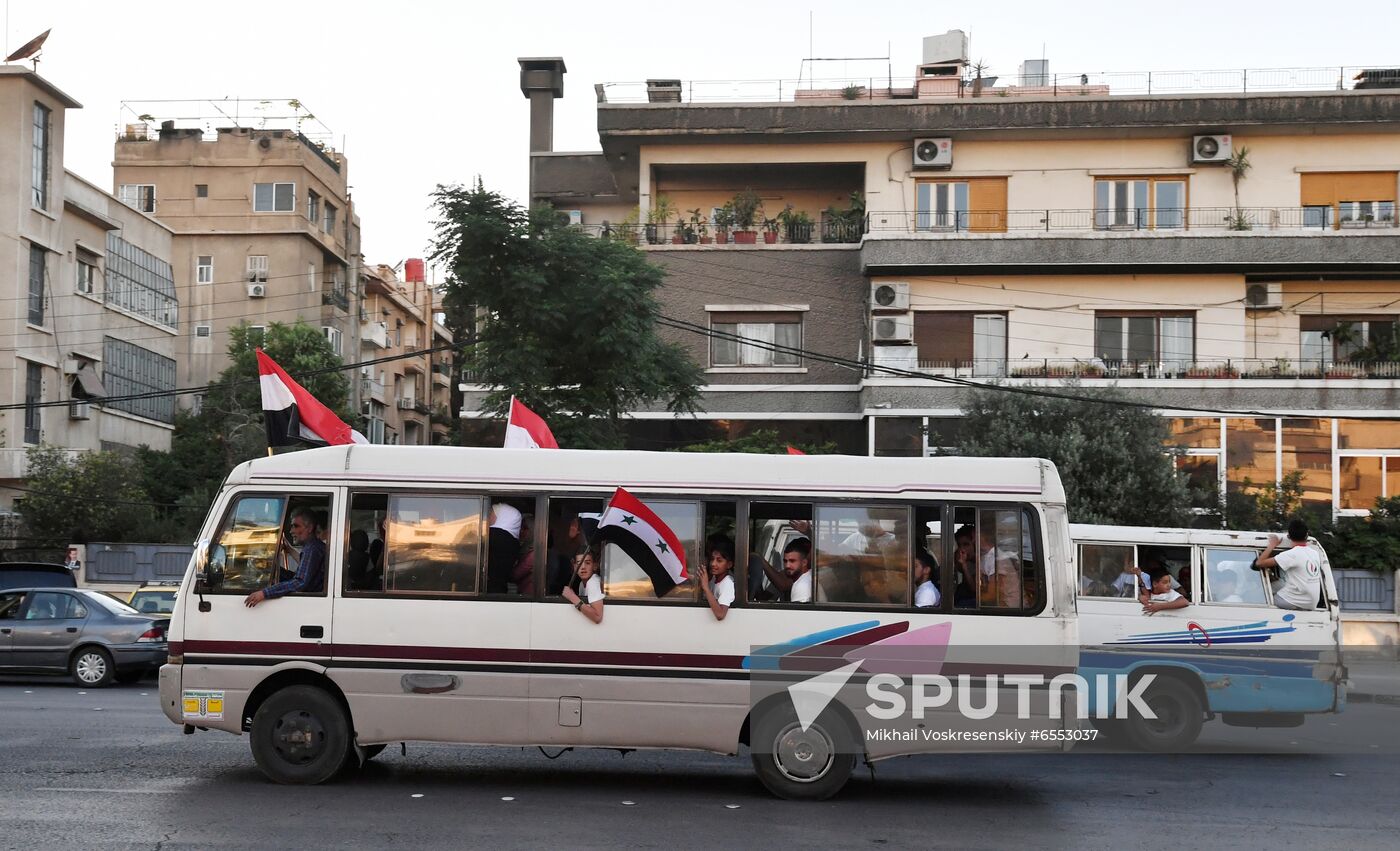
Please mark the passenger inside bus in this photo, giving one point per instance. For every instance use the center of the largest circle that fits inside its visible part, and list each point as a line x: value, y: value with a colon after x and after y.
x: 503, y: 546
x: 1163, y: 596
x: 589, y: 598
x: 964, y: 569
x: 926, y: 594
x: 717, y: 583
x: 773, y: 528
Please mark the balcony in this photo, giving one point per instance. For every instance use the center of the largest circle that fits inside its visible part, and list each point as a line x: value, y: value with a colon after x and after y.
x: 335, y: 297
x: 373, y: 389
x: 1121, y: 371
x: 375, y: 334
x: 1161, y: 219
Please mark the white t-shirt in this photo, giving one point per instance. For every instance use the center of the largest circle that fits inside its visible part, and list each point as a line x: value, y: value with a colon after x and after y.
x: 1169, y: 597
x: 1302, y: 577
x: 801, y: 589
x: 927, y: 595
x: 724, y: 591
x: 1128, y: 585
x: 592, y: 589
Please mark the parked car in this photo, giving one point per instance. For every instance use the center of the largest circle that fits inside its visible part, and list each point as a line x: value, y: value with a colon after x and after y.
x: 33, y: 574
x: 91, y: 636
x: 154, y: 599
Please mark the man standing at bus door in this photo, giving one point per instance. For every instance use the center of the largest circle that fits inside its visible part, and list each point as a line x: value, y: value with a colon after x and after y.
x: 310, y: 576
x: 1301, y: 568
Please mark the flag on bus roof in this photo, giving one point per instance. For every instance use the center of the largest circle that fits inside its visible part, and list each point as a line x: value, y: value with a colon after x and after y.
x: 636, y: 529
x: 793, y: 450
x: 526, y: 430
x: 294, y: 416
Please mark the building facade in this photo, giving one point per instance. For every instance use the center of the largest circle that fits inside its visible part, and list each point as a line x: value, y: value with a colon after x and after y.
x: 264, y: 230
x: 92, y: 310
x: 397, y: 396
x: 1230, y: 258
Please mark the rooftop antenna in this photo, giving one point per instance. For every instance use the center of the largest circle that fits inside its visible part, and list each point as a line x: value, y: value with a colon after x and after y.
x: 30, y: 49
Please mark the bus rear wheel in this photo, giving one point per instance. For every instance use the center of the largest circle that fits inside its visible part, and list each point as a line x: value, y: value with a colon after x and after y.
x: 1178, y: 722
x: 797, y: 764
x: 300, y: 736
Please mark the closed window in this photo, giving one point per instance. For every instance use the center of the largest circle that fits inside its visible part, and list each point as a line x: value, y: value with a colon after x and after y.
x: 975, y: 204
x: 996, y: 561
x: 943, y: 206
x: 434, y: 544
x: 1168, y: 339
x: 1366, y: 213
x: 274, y: 197
x: 623, y: 578
x: 1109, y: 570
x: 328, y: 220
x: 1229, y: 578
x: 43, y: 144
x: 204, y: 270
x: 38, y: 270
x: 1328, y: 339
x: 128, y: 370
x: 252, y: 548
x: 313, y: 206
x: 140, y: 282
x: 201, y: 190
x: 1348, y: 199
x: 1139, y: 203
x: 958, y: 340
x: 139, y: 196
x: 257, y: 268
x: 33, y: 395
x: 769, y: 339
x: 87, y: 275
x: 862, y: 555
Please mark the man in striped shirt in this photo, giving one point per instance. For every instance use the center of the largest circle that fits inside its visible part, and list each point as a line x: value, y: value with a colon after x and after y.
x: 310, y: 576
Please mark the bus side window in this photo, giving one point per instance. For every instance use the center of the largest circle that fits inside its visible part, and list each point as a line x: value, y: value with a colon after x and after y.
x: 862, y: 554
x: 773, y: 527
x: 1106, y: 571
x: 434, y: 544
x: 510, y: 545
x: 624, y: 579
x: 571, y: 520
x: 999, y: 565
x: 1230, y: 580
x: 928, y: 544
x: 364, y: 554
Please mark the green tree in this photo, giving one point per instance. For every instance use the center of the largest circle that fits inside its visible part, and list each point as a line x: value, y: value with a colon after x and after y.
x: 82, y: 496
x: 569, y: 321
x: 1369, y: 543
x: 764, y: 441
x: 1111, y: 457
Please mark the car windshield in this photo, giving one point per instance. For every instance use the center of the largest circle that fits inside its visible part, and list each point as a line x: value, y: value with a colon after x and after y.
x: 153, y: 602
x: 108, y: 602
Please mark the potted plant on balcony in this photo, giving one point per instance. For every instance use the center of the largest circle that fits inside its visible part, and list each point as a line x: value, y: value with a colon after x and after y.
x: 798, y: 225
x: 685, y: 233
x: 745, y: 205
x: 657, y: 218
x: 699, y: 227
x: 845, y: 225
x: 770, y: 230
x: 1239, y: 166
x: 724, y: 221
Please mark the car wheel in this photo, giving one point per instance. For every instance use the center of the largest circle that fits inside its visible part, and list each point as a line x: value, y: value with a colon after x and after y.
x: 300, y: 735
x: 92, y: 667
x: 797, y: 764
x: 1178, y: 722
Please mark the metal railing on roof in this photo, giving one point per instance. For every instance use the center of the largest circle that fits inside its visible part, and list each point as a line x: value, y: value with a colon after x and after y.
x: 1078, y: 84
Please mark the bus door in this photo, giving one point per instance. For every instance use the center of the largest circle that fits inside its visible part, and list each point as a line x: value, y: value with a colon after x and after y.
x: 228, y: 645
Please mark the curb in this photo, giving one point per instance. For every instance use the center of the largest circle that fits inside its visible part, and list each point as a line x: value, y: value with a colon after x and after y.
x: 1363, y: 697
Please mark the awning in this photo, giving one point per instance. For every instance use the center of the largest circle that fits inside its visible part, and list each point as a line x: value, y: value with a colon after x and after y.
x: 87, y: 384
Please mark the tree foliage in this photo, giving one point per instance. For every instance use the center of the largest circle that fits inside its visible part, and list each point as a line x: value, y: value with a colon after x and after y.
x: 75, y: 497
x: 1367, y: 543
x: 764, y: 441
x: 1111, y: 457
x: 569, y: 320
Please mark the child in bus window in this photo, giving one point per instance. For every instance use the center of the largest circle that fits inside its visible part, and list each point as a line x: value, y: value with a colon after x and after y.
x: 1162, y: 597
x: 717, y: 583
x: 926, y: 580
x: 589, y: 598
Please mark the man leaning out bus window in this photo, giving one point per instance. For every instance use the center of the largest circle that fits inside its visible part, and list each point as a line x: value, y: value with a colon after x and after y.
x: 311, y: 570
x: 1301, y: 568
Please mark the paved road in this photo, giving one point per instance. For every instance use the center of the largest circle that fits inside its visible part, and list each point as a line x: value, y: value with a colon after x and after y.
x: 104, y: 769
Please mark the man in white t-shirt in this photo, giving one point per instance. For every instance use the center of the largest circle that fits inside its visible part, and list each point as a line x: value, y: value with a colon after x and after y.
x: 926, y: 594
x: 1301, y: 568
x: 719, y: 590
x: 797, y: 564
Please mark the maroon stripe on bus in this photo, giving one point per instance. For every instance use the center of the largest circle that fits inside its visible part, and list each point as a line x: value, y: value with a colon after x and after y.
x: 463, y: 654
x: 258, y: 648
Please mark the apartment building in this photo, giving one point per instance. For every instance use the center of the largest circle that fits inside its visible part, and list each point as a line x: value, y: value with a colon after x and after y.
x: 1099, y: 227
x: 93, y: 311
x: 264, y: 229
x: 396, y: 319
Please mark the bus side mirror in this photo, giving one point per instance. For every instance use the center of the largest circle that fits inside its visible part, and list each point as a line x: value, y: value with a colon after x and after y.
x: 208, y: 566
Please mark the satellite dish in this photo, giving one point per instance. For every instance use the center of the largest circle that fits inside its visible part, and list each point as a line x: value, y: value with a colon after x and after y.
x: 31, y: 47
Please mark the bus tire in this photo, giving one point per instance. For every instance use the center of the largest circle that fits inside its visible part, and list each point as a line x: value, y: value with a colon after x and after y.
x: 1178, y: 722
x: 300, y: 736
x: 802, y: 765
x: 1112, y: 731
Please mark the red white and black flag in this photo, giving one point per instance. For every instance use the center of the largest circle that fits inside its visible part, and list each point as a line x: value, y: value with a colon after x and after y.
x: 525, y: 429
x: 293, y: 416
x: 649, y: 542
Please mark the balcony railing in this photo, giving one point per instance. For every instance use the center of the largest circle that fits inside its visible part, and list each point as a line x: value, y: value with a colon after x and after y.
x: 1168, y: 219
x: 829, y: 230
x: 1242, y: 368
x: 336, y: 296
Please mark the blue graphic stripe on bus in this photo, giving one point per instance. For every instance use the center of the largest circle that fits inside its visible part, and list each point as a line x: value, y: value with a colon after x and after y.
x: 1206, y: 664
x: 1213, y: 630
x: 1249, y: 633
x: 769, y: 656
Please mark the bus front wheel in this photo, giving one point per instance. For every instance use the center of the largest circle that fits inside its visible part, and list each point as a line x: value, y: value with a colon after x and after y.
x: 1178, y: 722
x: 300, y: 736
x: 797, y: 764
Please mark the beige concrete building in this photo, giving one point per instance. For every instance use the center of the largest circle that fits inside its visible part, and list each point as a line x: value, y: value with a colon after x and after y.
x: 264, y: 229
x: 396, y: 397
x: 1087, y: 226
x: 92, y: 310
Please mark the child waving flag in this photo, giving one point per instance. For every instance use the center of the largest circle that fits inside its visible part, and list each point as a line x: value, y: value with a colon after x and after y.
x: 637, y: 530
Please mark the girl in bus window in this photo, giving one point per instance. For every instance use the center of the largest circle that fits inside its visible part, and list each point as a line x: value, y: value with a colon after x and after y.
x: 590, y: 601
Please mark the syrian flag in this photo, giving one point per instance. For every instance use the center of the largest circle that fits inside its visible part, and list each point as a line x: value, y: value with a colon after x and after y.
x: 525, y: 429
x: 294, y: 416
x: 793, y: 450
x: 649, y: 542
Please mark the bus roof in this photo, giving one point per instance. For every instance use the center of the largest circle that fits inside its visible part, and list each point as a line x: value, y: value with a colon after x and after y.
x: 600, y: 470
x: 1154, y: 535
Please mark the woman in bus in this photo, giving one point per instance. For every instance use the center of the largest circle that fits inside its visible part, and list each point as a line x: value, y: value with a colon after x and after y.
x: 718, y: 586
x: 591, y: 586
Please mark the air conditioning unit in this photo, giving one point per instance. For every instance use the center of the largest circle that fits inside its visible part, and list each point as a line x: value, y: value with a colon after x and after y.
x: 891, y: 296
x: 933, y: 153
x: 405, y: 404
x: 257, y: 290
x: 1210, y: 149
x: 78, y: 410
x: 892, y: 329
x: 1264, y: 296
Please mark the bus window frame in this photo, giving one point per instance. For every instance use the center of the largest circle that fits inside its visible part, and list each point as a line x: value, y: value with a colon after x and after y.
x: 908, y: 508
x: 287, y: 494
x: 1028, y: 512
x: 1079, y: 560
x: 1259, y: 577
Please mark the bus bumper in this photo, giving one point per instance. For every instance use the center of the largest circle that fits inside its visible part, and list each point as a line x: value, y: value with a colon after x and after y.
x: 170, y: 692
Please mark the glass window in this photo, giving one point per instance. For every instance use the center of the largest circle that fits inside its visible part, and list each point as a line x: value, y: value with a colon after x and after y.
x: 313, y: 206
x: 47, y: 606
x: 928, y: 582
x: 140, y: 282
x: 624, y: 579
x: 128, y: 369
x: 1107, y: 570
x: 1229, y: 578
x: 948, y: 339
x: 1194, y: 432
x: 257, y: 268
x: 1202, y: 474
x: 204, y: 270
x: 364, y: 554
x: 33, y: 395
x: 1307, y: 448
x: 138, y: 196
x: 862, y: 554
x: 1136, y: 338
x: 781, y: 552
x: 1361, y: 482
x: 1250, y: 451
x: 899, y: 436
x: 434, y: 544
x: 942, y: 205
x: 988, y: 345
x: 38, y: 270
x: 328, y: 224
x: 43, y: 131
x: 995, y: 559
x: 87, y: 275
x: 10, y: 602
x: 1170, y: 206
x: 1368, y: 434
x: 274, y: 197
x: 201, y: 190
x: 768, y: 339
x: 246, y: 554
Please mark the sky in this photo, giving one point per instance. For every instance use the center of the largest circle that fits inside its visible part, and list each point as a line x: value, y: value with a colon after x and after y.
x: 420, y: 93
